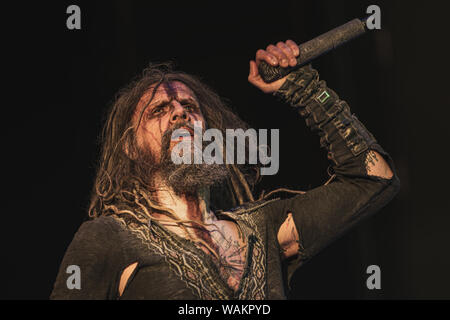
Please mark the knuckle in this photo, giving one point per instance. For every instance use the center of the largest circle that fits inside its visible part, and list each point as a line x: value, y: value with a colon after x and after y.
x: 260, y: 52
x: 291, y: 43
x: 277, y: 51
x: 266, y: 56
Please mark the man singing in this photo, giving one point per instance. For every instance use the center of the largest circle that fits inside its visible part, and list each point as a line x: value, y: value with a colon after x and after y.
x: 156, y: 229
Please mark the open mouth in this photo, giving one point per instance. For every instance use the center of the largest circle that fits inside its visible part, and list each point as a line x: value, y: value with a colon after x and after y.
x: 183, y: 133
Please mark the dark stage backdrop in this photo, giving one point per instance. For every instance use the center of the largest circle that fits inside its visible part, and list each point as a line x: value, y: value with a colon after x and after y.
x: 393, y: 79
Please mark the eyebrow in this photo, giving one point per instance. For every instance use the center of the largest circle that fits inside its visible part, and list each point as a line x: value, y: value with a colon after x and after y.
x: 187, y: 100
x: 162, y: 103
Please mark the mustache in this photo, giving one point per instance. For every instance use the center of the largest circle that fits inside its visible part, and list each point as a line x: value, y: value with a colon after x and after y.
x: 168, y: 133
x: 178, y: 125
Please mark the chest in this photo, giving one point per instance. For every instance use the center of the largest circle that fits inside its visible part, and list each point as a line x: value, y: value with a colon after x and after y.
x: 224, y: 242
x: 231, y: 247
x: 239, y: 248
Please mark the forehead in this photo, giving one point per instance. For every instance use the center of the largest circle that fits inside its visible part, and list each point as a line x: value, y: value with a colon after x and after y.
x: 166, y: 92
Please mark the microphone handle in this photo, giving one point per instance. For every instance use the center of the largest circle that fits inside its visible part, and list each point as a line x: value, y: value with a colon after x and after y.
x: 315, y: 48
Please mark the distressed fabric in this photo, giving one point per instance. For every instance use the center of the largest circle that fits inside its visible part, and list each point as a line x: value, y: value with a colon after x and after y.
x: 170, y: 267
x: 198, y: 271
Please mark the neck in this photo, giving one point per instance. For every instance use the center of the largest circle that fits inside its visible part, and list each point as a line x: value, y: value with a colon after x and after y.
x: 193, y: 207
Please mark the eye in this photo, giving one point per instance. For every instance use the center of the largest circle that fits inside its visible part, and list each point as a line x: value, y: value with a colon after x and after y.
x: 190, y: 107
x: 157, y: 110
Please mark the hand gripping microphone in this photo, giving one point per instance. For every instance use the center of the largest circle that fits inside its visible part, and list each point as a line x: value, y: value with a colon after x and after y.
x: 315, y: 48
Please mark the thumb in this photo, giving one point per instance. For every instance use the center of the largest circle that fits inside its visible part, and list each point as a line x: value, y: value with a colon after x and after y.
x: 253, y: 70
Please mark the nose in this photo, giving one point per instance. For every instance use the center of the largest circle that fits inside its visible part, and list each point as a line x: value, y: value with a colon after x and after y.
x: 178, y: 113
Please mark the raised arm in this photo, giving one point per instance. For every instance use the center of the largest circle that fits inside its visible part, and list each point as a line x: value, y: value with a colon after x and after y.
x: 365, y: 179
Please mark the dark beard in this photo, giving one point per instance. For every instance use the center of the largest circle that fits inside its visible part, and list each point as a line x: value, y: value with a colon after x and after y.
x: 185, y: 178
x: 190, y: 178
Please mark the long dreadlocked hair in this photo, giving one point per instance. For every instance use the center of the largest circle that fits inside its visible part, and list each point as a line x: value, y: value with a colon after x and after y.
x: 119, y: 187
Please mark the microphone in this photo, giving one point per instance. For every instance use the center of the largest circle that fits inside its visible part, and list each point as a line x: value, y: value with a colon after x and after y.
x: 315, y: 48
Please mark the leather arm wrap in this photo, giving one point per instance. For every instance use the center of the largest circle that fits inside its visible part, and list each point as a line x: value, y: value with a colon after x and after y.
x: 341, y: 133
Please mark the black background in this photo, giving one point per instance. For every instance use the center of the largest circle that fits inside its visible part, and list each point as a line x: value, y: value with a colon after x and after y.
x: 394, y: 80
